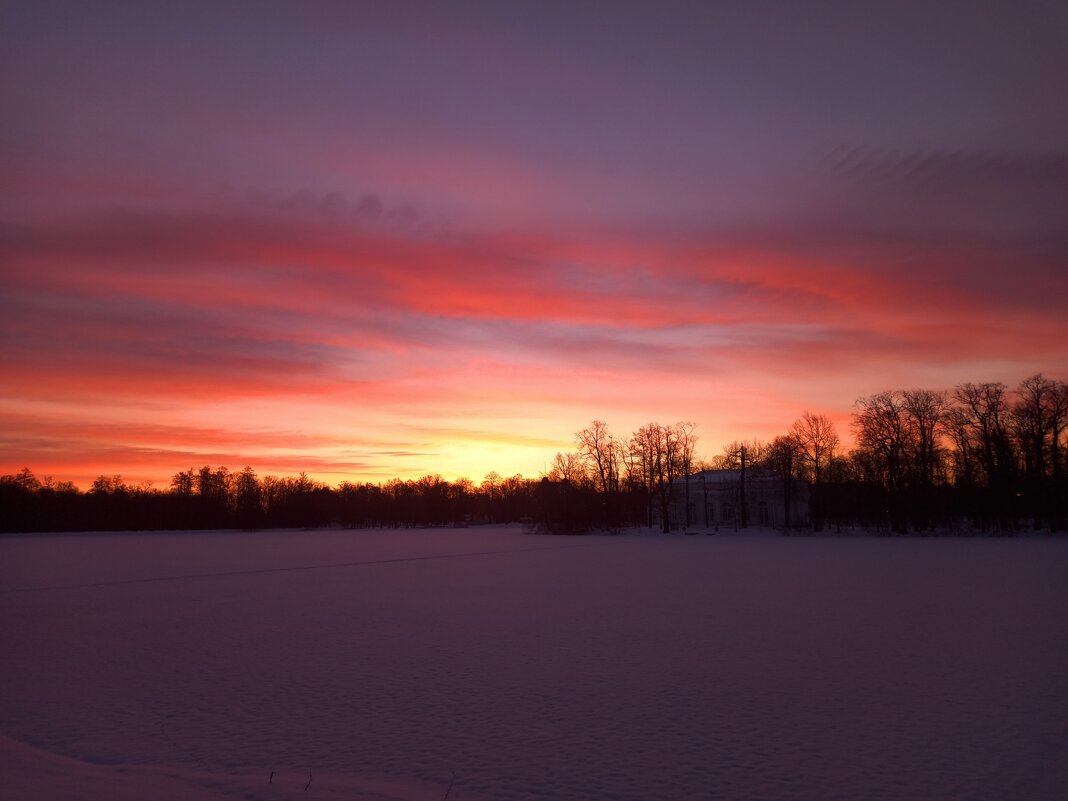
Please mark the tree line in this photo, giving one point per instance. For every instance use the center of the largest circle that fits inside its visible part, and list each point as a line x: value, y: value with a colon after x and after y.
x: 981, y: 455
x: 215, y: 497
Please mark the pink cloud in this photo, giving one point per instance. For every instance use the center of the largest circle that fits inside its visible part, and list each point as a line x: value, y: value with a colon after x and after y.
x: 207, y: 308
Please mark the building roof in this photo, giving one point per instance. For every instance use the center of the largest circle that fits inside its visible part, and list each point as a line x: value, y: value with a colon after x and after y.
x: 725, y: 476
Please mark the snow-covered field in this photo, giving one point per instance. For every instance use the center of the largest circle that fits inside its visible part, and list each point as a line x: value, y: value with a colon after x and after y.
x: 391, y: 664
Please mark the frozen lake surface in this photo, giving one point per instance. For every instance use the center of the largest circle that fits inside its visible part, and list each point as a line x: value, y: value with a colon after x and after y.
x: 389, y: 664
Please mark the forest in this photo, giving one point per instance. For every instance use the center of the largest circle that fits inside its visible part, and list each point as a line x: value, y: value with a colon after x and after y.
x: 979, y: 458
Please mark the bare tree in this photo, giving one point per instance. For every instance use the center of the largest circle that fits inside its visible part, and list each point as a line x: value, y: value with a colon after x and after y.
x: 568, y: 467
x: 731, y: 459
x: 658, y: 454
x: 818, y: 440
x: 1059, y: 424
x: 248, y: 499
x: 782, y: 455
x: 687, y: 440
x: 647, y: 461
x: 880, y: 426
x: 964, y: 458
x: 182, y: 483
x: 1038, y: 418
x: 639, y: 462
x: 983, y: 416
x: 925, y: 413
x: 740, y: 455
x: 604, y: 454
x: 491, y: 485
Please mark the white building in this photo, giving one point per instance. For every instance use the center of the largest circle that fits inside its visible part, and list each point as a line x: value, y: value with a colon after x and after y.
x: 724, y: 498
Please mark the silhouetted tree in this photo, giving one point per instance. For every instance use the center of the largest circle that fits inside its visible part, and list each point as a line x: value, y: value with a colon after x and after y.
x: 880, y: 427
x: 731, y: 456
x: 783, y: 455
x: 570, y: 467
x: 602, y: 451
x: 247, y: 499
x: 818, y: 440
x: 922, y: 458
x: 687, y: 443
x: 981, y: 424
x: 1037, y: 420
x: 658, y: 454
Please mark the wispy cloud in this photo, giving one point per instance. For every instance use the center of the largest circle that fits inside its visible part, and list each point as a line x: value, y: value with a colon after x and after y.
x: 227, y: 307
x: 395, y: 259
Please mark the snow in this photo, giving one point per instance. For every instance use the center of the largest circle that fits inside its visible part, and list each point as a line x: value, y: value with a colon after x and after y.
x: 192, y: 665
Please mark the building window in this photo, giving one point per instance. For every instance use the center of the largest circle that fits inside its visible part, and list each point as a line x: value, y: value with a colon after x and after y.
x: 762, y: 512
x: 728, y: 513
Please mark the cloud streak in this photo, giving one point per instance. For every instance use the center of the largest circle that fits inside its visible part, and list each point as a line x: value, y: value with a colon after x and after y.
x: 400, y: 261
x: 228, y: 308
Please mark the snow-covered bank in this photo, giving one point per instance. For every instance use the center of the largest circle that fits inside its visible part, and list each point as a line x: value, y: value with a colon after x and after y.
x: 537, y: 667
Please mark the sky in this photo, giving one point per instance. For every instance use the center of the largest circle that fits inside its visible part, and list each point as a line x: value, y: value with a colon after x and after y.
x: 370, y: 240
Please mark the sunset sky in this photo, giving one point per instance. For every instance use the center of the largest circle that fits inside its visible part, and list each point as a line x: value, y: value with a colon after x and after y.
x: 369, y: 240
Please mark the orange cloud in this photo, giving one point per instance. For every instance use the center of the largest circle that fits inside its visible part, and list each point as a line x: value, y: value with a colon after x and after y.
x: 507, y: 343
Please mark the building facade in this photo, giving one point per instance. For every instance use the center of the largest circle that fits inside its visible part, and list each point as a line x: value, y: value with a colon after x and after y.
x: 714, y: 499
